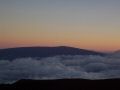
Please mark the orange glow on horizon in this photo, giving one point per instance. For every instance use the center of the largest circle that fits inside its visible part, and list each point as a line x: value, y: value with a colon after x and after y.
x: 27, y: 43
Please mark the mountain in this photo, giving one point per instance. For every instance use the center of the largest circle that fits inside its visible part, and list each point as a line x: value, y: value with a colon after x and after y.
x: 21, y: 52
x: 115, y: 54
x: 63, y: 84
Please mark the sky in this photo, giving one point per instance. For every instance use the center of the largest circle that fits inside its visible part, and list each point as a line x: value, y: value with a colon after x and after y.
x: 89, y: 24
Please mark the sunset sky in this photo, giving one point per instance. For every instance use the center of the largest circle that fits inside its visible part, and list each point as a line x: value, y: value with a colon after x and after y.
x: 89, y: 24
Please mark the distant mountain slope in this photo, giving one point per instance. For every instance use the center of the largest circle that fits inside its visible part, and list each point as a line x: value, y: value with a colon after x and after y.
x: 13, y: 53
x: 115, y: 54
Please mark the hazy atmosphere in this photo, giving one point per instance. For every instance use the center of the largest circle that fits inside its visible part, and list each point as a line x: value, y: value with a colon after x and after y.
x: 54, y: 42
x: 89, y: 24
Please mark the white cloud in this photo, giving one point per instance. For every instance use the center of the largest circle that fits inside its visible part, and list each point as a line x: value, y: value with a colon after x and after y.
x: 58, y: 67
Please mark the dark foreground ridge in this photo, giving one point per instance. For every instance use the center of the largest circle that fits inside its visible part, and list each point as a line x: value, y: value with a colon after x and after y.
x: 64, y: 84
x: 13, y: 53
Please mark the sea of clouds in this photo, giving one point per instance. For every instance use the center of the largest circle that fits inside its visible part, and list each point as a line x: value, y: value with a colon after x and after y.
x: 59, y: 67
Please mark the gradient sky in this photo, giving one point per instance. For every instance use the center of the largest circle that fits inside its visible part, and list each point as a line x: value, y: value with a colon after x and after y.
x: 89, y: 24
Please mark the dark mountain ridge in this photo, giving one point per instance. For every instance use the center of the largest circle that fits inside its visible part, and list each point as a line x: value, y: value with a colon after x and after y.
x: 63, y: 84
x: 21, y: 52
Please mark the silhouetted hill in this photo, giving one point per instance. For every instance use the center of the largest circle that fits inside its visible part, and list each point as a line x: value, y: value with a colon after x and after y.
x: 12, y: 53
x: 64, y: 84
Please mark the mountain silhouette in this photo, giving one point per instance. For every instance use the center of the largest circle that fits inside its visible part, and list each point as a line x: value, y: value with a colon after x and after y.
x: 63, y: 84
x: 21, y: 52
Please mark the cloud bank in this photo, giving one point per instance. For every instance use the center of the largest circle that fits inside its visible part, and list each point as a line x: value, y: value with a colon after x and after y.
x: 59, y: 67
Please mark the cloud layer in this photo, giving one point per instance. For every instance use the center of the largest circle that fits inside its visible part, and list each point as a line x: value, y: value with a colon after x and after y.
x: 58, y: 67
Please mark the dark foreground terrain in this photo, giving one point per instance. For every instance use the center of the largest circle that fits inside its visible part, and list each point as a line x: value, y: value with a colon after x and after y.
x: 64, y: 84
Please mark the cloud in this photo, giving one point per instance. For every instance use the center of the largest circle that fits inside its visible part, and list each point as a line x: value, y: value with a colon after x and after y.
x: 58, y: 67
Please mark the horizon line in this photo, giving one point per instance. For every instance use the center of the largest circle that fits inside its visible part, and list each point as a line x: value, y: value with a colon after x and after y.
x: 60, y: 46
